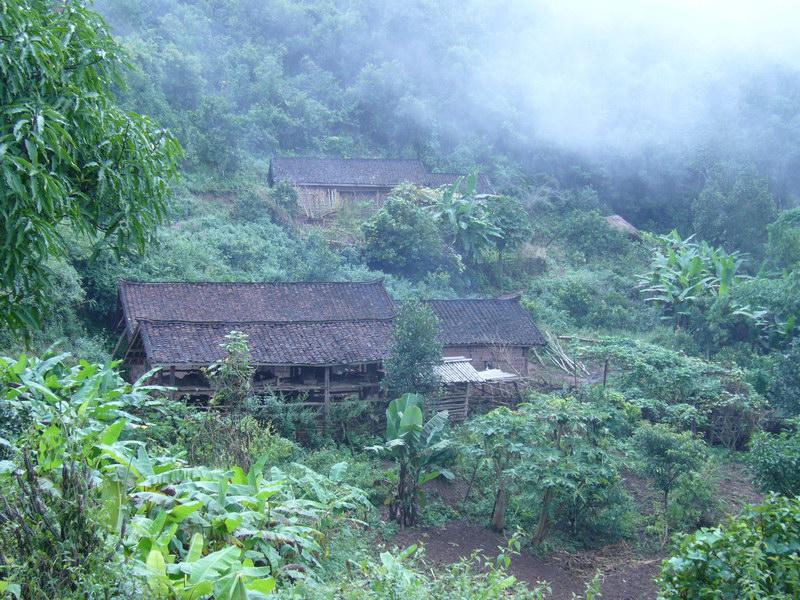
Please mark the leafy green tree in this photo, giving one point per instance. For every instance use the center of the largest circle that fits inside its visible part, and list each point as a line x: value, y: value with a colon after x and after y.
x: 419, y: 448
x: 500, y: 439
x: 775, y: 460
x: 753, y: 555
x: 783, y: 244
x: 70, y: 158
x: 666, y: 456
x: 232, y: 377
x: 403, y: 239
x: 569, y: 458
x: 734, y: 209
x: 512, y: 222
x: 415, y: 351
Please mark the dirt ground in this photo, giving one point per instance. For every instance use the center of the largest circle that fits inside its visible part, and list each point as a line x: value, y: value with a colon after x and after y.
x: 626, y: 574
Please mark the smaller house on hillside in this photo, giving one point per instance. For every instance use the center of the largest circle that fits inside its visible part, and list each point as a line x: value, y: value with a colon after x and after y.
x: 325, y: 185
x: 492, y: 333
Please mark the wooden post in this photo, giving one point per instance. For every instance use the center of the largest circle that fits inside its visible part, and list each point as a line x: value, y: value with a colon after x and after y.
x: 327, y: 406
x: 172, y: 381
x: 466, y: 402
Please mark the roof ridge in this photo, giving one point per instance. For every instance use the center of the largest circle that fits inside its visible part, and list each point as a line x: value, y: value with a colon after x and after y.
x: 345, y: 159
x: 370, y: 282
x: 501, y: 299
x: 266, y: 322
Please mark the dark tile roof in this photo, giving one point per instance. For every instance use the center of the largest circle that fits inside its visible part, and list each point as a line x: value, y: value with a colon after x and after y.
x: 370, y: 172
x: 237, y: 302
x: 197, y: 344
x: 477, y: 322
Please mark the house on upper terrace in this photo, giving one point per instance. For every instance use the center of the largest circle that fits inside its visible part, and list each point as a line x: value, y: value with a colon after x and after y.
x: 326, y: 185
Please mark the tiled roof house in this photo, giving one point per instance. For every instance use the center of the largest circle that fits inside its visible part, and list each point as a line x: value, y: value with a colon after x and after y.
x: 325, y: 185
x: 314, y: 337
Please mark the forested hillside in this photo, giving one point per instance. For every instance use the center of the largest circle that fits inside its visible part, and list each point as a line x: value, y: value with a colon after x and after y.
x: 656, y: 441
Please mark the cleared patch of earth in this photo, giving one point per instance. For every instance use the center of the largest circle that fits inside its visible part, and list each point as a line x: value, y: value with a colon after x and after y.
x: 626, y: 577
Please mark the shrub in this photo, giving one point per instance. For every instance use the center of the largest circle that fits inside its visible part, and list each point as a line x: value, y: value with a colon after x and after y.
x: 588, y: 299
x: 667, y: 456
x: 753, y: 555
x: 225, y: 440
x: 289, y: 419
x: 403, y: 239
x: 784, y: 388
x: 87, y: 500
x: 783, y: 245
x: 775, y: 460
x: 684, y: 391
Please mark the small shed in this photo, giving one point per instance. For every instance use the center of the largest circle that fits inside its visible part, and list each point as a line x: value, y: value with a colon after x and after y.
x: 461, y: 381
x: 618, y: 223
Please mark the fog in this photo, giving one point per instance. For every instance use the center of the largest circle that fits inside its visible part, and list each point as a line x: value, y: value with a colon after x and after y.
x: 615, y: 75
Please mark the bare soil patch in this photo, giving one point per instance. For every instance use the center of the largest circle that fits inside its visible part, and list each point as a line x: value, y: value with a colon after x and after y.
x: 626, y: 577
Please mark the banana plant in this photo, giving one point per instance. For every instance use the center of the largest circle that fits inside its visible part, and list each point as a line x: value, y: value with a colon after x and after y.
x: 464, y: 220
x: 418, y: 447
x: 684, y: 272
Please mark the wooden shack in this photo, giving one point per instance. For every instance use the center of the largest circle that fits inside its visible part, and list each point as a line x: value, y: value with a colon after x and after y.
x: 326, y: 185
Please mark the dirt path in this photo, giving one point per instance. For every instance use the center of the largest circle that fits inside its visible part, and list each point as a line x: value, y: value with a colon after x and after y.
x: 625, y: 576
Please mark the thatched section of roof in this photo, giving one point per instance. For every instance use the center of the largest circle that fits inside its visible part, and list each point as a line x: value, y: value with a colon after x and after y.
x: 468, y: 322
x: 620, y: 224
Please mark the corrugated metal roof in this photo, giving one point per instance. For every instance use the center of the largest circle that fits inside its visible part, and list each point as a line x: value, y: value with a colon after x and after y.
x: 459, y: 369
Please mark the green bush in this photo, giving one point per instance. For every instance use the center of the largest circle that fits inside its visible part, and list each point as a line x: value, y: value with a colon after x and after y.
x: 668, y: 457
x: 79, y: 498
x: 403, y: 239
x: 588, y: 299
x: 775, y: 460
x: 784, y: 387
x: 224, y: 440
x: 754, y: 555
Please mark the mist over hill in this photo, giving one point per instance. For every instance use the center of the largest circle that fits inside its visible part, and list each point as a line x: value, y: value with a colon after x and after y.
x: 636, y: 99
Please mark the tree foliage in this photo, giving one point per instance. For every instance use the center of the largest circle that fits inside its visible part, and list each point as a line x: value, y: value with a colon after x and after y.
x: 70, y: 158
x: 775, y: 460
x: 415, y: 350
x: 667, y: 455
x: 403, y: 239
x: 734, y: 209
x: 753, y: 555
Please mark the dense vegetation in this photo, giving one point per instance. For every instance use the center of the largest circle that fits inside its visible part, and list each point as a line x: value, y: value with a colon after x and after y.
x: 671, y: 359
